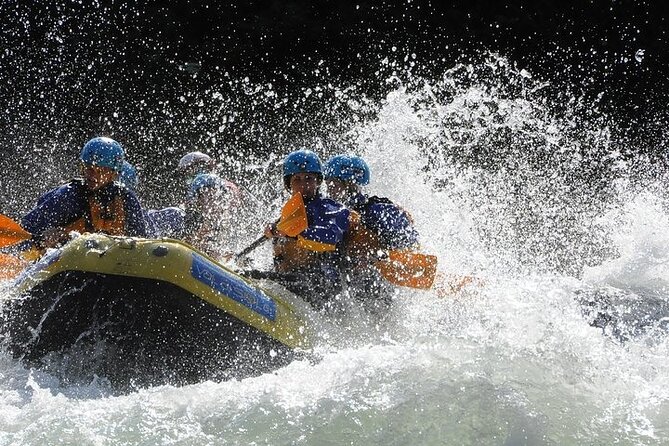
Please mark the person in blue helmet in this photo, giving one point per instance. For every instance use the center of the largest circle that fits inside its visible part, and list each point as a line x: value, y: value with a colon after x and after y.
x: 197, y: 163
x: 127, y: 177
x: 382, y: 226
x: 94, y: 203
x: 314, y: 257
x: 182, y: 221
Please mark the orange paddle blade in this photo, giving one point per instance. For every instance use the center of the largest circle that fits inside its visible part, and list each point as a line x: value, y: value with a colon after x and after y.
x: 449, y: 285
x: 293, y: 216
x: 409, y: 269
x: 11, y: 232
x: 11, y: 266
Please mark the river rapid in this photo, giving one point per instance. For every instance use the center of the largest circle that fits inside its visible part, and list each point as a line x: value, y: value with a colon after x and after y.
x: 560, y: 339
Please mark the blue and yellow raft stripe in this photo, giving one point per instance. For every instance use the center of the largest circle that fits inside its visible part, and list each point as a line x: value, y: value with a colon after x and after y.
x: 180, y: 264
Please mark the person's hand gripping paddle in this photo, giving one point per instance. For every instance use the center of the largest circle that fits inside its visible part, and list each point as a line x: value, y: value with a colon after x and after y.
x: 292, y: 222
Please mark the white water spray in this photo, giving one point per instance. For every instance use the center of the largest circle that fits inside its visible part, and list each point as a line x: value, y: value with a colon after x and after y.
x: 532, y: 201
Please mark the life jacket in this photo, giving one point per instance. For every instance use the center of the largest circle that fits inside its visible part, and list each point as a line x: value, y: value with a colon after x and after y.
x: 290, y: 257
x: 326, y: 218
x: 389, y: 226
x: 107, y: 218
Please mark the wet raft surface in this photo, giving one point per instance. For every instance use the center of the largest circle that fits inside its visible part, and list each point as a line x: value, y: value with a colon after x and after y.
x: 133, y: 332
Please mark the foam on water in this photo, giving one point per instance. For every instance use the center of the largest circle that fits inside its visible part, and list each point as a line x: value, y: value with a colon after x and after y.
x: 642, y: 242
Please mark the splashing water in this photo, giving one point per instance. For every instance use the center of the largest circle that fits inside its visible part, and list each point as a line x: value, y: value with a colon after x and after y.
x: 528, y: 194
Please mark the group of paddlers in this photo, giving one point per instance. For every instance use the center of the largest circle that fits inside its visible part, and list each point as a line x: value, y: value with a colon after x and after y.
x: 324, y: 246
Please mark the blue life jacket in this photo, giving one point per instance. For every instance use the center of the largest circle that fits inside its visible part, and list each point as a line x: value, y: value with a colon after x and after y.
x: 390, y: 223
x: 111, y: 209
x: 316, y: 248
x: 314, y: 256
x: 328, y: 222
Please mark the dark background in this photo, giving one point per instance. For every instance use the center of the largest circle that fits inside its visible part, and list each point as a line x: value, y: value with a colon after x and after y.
x: 71, y: 71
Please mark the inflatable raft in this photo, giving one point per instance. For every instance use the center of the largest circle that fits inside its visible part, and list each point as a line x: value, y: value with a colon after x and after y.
x: 142, y: 312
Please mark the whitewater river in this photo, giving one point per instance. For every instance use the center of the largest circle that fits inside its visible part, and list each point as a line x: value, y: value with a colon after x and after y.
x: 561, y: 339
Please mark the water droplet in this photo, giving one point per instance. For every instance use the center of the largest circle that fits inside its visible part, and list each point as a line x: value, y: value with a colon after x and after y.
x: 640, y: 53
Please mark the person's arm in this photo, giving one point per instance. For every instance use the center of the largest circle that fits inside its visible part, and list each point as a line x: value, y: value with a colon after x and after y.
x: 192, y: 223
x: 168, y: 222
x: 135, y: 223
x: 53, y: 212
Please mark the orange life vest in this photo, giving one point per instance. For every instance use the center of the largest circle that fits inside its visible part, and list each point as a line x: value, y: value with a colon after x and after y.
x: 295, y: 254
x: 109, y: 219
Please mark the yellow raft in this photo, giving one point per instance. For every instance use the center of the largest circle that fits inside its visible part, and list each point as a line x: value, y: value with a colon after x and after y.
x: 142, y: 312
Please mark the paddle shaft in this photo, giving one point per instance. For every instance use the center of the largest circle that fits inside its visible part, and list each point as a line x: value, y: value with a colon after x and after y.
x: 271, y: 275
x: 292, y: 222
x: 251, y: 247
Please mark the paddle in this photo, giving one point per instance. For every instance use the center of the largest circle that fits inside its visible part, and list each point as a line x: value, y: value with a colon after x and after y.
x: 293, y: 217
x: 449, y: 285
x: 251, y: 247
x: 409, y: 269
x: 402, y: 268
x: 292, y: 222
x: 11, y: 232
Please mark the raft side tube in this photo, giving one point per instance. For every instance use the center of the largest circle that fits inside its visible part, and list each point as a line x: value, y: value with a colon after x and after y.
x: 176, y: 262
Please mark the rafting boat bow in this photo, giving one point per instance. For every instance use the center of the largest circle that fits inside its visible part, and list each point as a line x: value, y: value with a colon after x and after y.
x: 143, y: 312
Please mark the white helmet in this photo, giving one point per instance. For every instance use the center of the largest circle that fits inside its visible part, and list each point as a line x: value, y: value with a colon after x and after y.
x: 199, y: 160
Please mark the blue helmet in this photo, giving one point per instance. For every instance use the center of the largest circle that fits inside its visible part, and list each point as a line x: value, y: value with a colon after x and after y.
x: 103, y: 152
x: 203, y: 180
x: 128, y: 176
x: 349, y: 168
x: 301, y: 161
